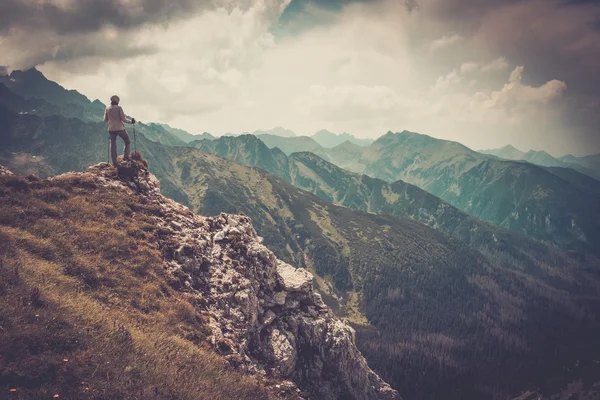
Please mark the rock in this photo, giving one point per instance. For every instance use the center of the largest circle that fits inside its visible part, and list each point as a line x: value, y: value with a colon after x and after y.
x: 279, y: 298
x: 294, y: 279
x: 219, y: 236
x: 318, y: 300
x: 256, y: 307
x: 268, y: 318
x: 176, y: 225
x: 283, y: 347
x: 232, y: 221
x: 5, y: 171
x: 293, y: 304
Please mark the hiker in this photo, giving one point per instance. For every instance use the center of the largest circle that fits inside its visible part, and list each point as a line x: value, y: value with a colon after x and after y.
x: 114, y: 116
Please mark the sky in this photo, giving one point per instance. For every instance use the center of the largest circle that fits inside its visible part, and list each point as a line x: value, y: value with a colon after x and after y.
x: 485, y: 73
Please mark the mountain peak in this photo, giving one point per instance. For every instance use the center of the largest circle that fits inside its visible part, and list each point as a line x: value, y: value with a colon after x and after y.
x: 510, y: 147
x: 277, y: 131
x: 324, y: 132
x: 537, y: 153
x: 32, y: 74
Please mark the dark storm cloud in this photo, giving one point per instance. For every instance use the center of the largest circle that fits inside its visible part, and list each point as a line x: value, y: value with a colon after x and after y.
x: 34, y: 32
x: 79, y: 48
x: 83, y: 16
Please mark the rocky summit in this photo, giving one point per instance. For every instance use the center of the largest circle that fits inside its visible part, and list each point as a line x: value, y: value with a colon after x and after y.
x: 263, y: 315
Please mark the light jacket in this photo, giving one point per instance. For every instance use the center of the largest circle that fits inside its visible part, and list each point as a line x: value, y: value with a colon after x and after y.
x: 115, y: 117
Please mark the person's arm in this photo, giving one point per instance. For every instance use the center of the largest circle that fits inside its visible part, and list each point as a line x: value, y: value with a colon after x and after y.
x: 106, y: 115
x: 123, y: 117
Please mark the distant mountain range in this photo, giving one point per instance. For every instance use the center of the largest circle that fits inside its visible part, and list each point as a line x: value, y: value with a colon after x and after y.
x: 289, y: 142
x: 309, y: 172
x: 445, y: 305
x: 277, y: 131
x: 592, y: 161
x: 184, y: 135
x: 518, y: 196
x: 329, y: 139
x: 586, y: 165
x: 293, y: 144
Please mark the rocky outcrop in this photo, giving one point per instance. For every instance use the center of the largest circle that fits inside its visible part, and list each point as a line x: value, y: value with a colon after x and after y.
x: 263, y: 315
x: 4, y: 171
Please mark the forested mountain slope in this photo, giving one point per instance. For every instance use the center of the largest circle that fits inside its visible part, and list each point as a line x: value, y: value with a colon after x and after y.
x: 515, y: 195
x: 335, y: 184
x: 419, y: 289
x: 542, y: 159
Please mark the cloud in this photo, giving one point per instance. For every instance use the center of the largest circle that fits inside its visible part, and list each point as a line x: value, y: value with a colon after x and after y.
x: 469, y: 67
x: 513, y: 103
x: 33, y: 32
x: 349, y: 102
x: 84, y: 16
x: 445, y: 41
x: 499, y: 64
x: 446, y: 82
x: 367, y: 67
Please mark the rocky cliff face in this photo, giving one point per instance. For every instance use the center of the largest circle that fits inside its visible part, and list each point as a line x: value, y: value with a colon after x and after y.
x: 263, y: 315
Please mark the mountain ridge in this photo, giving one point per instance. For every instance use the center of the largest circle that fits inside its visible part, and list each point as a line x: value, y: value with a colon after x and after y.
x: 311, y: 180
x: 514, y: 195
x: 247, y: 322
x: 542, y: 158
x: 329, y: 139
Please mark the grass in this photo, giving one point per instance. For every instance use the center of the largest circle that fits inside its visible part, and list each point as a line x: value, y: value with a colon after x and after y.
x: 86, y: 308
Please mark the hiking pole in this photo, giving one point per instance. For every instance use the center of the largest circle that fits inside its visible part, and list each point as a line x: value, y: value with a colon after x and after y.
x: 108, y: 151
x: 134, y: 140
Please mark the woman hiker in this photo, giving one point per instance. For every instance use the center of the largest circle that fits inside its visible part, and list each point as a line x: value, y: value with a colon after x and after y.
x: 115, y: 117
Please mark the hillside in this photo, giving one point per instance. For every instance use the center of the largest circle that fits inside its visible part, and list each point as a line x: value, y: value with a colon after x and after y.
x: 331, y: 183
x: 293, y: 144
x: 544, y: 159
x: 246, y: 150
x: 347, y: 155
x: 515, y: 195
x: 33, y: 85
x: 409, y: 281
x: 507, y: 152
x: 184, y: 135
x: 31, y: 93
x: 591, y: 162
x: 131, y: 295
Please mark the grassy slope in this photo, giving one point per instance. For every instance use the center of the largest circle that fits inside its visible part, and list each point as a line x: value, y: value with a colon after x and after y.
x: 86, y: 310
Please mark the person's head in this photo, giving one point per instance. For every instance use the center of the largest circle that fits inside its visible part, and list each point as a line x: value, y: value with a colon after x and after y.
x: 114, y: 100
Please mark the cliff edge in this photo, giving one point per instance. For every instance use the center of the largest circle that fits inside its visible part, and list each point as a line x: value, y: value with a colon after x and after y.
x: 261, y: 314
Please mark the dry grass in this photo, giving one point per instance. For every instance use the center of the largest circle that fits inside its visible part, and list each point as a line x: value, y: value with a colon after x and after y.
x: 86, y: 310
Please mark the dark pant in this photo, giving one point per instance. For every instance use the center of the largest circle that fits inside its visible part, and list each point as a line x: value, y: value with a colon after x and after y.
x: 113, y: 144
